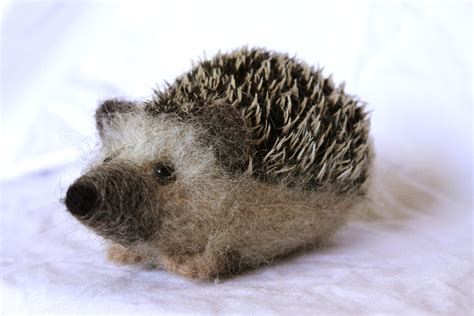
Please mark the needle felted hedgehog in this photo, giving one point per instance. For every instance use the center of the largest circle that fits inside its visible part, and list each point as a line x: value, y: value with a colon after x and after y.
x: 248, y: 157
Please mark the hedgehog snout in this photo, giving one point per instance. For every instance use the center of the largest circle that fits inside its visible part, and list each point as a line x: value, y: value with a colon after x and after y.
x: 102, y: 189
x: 82, y: 198
x: 116, y: 201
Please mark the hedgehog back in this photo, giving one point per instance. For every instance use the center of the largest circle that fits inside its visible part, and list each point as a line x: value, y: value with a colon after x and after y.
x: 297, y: 126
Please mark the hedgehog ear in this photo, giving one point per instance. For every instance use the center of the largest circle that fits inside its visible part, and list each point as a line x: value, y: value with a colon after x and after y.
x: 226, y: 124
x: 109, y: 110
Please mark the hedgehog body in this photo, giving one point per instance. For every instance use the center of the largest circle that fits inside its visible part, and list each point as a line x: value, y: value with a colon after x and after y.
x: 246, y: 158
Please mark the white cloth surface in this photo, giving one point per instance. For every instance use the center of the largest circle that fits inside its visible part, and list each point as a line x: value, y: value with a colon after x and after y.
x: 411, y: 62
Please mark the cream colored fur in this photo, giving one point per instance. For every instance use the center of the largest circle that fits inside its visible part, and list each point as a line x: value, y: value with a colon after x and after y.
x: 138, y: 138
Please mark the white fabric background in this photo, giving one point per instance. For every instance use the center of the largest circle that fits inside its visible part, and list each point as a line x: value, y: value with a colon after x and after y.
x: 410, y: 61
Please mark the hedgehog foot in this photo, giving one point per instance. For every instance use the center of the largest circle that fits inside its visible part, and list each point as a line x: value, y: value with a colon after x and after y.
x: 121, y: 255
x: 199, y: 266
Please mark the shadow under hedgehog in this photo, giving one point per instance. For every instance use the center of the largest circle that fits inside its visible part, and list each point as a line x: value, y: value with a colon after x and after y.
x: 246, y: 158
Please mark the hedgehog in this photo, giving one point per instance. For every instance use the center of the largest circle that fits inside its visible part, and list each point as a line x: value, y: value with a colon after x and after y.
x: 250, y: 156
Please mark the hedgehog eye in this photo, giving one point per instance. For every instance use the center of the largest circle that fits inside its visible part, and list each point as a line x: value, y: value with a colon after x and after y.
x: 164, y: 173
x: 107, y: 159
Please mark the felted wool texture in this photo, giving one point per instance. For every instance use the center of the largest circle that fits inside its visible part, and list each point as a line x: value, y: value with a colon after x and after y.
x: 302, y: 127
x: 268, y: 158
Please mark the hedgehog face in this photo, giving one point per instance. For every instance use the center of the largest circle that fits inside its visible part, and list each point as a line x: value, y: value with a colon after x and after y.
x: 147, y: 167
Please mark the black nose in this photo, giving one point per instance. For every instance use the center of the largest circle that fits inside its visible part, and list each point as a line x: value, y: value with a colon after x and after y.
x: 81, y: 199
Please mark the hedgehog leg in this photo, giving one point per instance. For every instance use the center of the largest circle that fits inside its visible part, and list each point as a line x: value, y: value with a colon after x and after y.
x: 201, y: 266
x: 121, y: 255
